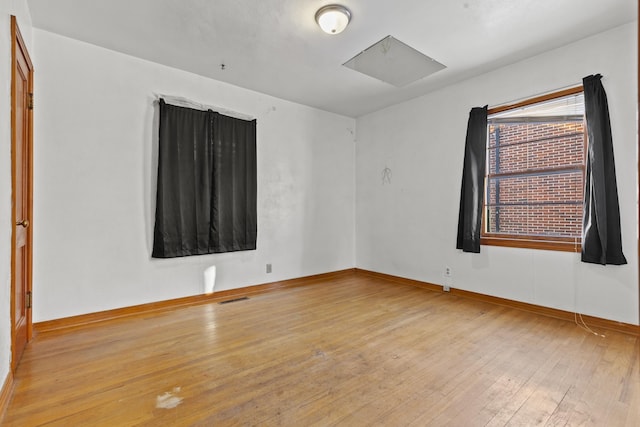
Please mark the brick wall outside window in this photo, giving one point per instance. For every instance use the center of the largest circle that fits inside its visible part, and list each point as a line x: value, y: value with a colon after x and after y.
x: 544, y: 203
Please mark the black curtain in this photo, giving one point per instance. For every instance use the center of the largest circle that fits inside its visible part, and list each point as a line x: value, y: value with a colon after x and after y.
x: 472, y: 191
x: 233, y: 221
x: 601, y: 234
x: 207, y: 183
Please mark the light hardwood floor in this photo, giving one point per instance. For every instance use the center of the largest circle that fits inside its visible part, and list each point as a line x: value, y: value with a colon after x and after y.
x: 353, y: 351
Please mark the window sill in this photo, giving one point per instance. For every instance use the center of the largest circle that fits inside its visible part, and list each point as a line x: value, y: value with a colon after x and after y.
x: 530, y: 242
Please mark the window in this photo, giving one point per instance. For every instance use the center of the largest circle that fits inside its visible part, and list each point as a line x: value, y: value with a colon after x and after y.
x: 534, y: 183
x: 207, y: 183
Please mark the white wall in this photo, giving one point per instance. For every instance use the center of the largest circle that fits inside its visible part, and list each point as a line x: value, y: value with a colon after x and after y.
x: 95, y: 163
x: 95, y: 176
x: 408, y: 228
x: 20, y: 10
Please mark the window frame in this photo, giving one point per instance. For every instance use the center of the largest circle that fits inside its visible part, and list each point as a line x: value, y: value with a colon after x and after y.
x: 565, y: 244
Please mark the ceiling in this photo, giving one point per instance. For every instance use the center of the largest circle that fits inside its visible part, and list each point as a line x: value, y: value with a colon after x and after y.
x: 275, y: 46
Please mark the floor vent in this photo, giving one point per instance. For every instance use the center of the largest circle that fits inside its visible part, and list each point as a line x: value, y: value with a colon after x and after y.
x: 233, y: 300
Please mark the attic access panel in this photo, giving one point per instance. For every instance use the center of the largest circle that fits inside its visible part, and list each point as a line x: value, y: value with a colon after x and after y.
x: 394, y: 62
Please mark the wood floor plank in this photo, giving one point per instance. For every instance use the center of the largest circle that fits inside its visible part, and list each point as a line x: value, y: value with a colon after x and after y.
x: 352, y: 350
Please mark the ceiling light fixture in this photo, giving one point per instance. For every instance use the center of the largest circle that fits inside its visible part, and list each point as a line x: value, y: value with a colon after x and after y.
x: 333, y: 18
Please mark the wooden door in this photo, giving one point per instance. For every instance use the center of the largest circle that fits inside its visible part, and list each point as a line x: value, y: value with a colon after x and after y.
x: 22, y: 200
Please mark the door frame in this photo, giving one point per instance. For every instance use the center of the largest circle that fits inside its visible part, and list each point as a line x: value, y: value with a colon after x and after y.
x: 18, y: 46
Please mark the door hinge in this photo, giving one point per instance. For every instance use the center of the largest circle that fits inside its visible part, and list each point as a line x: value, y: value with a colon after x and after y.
x: 29, y: 299
x: 30, y: 101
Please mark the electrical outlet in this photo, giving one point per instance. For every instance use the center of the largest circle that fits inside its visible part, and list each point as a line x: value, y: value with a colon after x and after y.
x: 268, y: 268
x: 447, y: 273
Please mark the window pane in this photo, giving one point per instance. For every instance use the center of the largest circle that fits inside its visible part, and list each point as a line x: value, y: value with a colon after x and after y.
x: 548, y: 204
x: 536, y: 221
x: 570, y: 105
x: 520, y: 146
